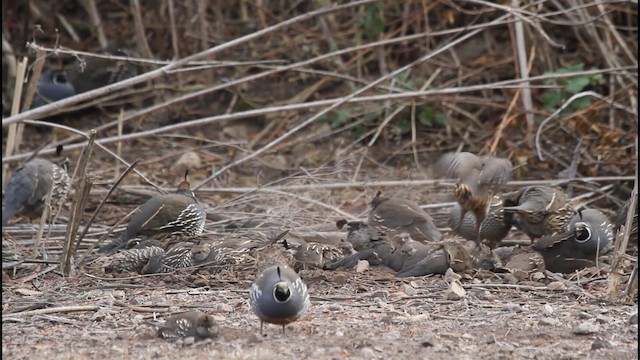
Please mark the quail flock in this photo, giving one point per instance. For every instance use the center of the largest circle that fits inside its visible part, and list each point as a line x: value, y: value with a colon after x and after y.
x: 85, y: 74
x: 397, y: 234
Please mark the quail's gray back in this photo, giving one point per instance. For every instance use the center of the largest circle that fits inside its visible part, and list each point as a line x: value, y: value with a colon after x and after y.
x: 278, y: 296
x: 396, y: 215
x: 29, y: 185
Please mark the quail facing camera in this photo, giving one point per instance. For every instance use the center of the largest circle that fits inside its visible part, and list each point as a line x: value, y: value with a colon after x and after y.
x: 278, y: 296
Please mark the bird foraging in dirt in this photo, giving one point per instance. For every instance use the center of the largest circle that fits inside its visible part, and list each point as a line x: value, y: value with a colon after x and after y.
x: 479, y: 179
x: 278, y: 296
x: 27, y: 189
x: 175, y: 213
x: 396, y: 215
x: 493, y: 229
x: 194, y: 324
x: 538, y: 210
x: 588, y: 234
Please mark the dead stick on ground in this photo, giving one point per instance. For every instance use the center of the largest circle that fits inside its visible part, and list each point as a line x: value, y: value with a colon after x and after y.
x: 78, y: 205
x: 62, y: 309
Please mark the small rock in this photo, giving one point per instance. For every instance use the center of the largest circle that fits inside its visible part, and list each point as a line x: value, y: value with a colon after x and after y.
x: 586, y: 328
x: 368, y: 353
x: 429, y: 340
x: 633, y: 320
x: 380, y: 294
x: 548, y: 309
x: 451, y: 275
x: 490, y: 339
x: 633, y: 329
x: 455, y: 291
x: 601, y: 319
x: 190, y: 340
x: 254, y: 339
x: 467, y: 336
x: 601, y: 344
x: 510, y: 279
x: 408, y: 289
x: 226, y: 308
x: 512, y: 307
x: 548, y: 321
x: 362, y: 266
x: 584, y: 315
x: 557, y: 286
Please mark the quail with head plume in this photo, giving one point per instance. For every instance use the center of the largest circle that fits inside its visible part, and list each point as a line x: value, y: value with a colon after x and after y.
x: 400, y: 215
x: 52, y: 86
x: 538, y: 210
x: 29, y: 185
x: 278, y: 296
x: 588, y: 234
x: 493, y: 230
x: 480, y: 178
x: 176, y: 213
x: 194, y: 324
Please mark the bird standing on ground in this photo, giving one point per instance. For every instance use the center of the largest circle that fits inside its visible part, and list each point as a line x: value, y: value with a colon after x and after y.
x: 588, y: 234
x: 493, y: 229
x: 194, y: 324
x: 278, y: 296
x: 29, y: 185
x: 176, y: 213
x: 395, y: 215
x: 480, y: 178
x: 538, y: 210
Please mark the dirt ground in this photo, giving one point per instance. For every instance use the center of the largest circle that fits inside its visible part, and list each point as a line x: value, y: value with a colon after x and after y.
x: 353, y: 315
x: 307, y: 173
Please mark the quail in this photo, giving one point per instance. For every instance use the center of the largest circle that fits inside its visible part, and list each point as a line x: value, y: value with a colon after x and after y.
x: 479, y: 179
x: 29, y: 185
x: 588, y: 234
x: 493, y: 230
x: 368, y: 239
x: 538, y: 210
x: 134, y: 259
x: 400, y: 215
x: 90, y: 73
x: 194, y: 324
x: 52, y: 86
x: 314, y: 255
x: 448, y: 255
x: 278, y: 296
x: 176, y: 213
x: 179, y: 256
